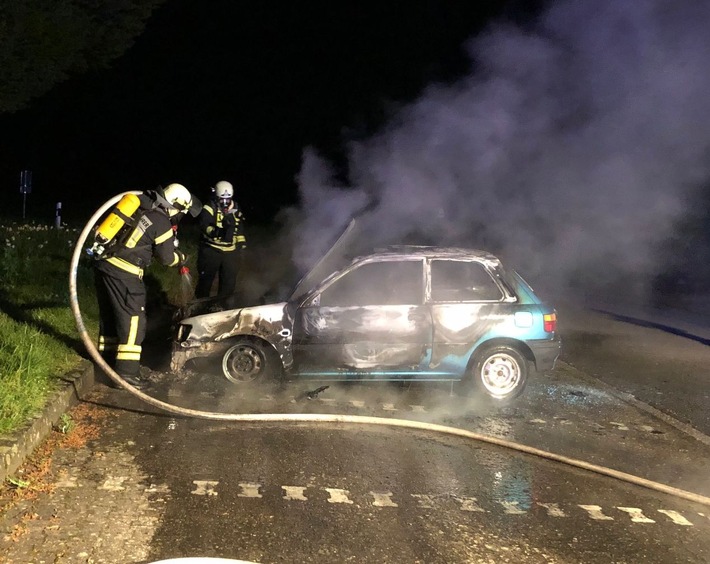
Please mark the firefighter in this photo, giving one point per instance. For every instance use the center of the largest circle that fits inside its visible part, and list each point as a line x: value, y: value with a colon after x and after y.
x: 119, y: 271
x: 222, y: 240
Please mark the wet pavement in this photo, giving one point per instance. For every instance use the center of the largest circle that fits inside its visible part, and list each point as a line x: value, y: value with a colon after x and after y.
x: 157, y: 486
x: 152, y: 485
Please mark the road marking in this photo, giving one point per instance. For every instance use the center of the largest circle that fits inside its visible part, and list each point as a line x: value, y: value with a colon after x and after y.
x: 294, y: 493
x: 383, y: 499
x: 595, y: 512
x: 113, y: 483
x: 392, y: 407
x: 469, y: 504
x: 553, y: 509
x: 204, y: 487
x: 158, y: 488
x: 337, y: 495
x: 249, y: 489
x: 637, y: 515
x: 511, y: 508
x: 676, y: 517
x: 425, y: 501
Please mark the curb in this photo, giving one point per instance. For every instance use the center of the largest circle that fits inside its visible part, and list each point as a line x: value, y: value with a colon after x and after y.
x: 15, y: 447
x: 638, y: 404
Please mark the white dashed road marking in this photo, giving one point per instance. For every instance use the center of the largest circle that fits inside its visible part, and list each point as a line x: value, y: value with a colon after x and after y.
x: 637, y: 515
x: 676, y: 517
x: 425, y: 501
x: 338, y: 495
x: 595, y: 512
x: 469, y: 504
x: 294, y: 493
x: 113, y: 483
x: 553, y: 510
x: 249, y: 489
x: 383, y: 499
x: 204, y: 487
x: 388, y: 499
x: 511, y: 508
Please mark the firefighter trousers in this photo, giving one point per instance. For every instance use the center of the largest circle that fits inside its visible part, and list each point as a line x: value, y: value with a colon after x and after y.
x: 212, y: 262
x: 122, y: 320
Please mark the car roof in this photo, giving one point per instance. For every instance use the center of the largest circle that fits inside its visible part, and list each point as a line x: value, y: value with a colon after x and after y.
x: 409, y: 251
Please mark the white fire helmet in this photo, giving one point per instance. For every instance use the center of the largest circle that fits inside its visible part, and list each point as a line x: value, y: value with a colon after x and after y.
x: 178, y: 197
x: 223, y: 189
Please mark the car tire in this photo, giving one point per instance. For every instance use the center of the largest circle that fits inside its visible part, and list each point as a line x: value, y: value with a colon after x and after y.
x: 500, y: 373
x: 250, y: 362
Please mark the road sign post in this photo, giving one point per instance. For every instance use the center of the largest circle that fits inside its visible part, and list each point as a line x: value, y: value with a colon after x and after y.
x: 25, y: 188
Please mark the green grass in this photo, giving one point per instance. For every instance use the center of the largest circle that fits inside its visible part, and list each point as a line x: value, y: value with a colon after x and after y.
x: 39, y: 341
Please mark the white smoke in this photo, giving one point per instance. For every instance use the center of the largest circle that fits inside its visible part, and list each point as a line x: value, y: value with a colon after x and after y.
x: 569, y: 148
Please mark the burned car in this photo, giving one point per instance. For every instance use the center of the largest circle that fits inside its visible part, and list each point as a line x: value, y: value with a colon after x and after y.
x: 418, y: 314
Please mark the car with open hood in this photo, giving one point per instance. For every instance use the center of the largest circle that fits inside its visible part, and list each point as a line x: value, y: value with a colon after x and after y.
x: 405, y: 313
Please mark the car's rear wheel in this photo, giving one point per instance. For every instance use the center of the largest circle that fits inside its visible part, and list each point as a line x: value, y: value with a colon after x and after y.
x: 500, y: 372
x: 249, y: 361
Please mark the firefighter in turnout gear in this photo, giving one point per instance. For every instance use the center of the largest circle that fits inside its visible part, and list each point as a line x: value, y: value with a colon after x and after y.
x: 221, y: 242
x: 119, y: 268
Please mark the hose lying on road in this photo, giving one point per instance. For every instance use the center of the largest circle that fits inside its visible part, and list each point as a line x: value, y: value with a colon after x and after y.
x: 329, y: 418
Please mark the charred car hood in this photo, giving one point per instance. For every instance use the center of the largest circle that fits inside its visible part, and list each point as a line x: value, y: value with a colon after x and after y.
x: 270, y: 322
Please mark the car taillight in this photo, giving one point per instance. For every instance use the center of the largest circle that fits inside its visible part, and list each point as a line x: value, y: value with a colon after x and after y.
x: 550, y: 322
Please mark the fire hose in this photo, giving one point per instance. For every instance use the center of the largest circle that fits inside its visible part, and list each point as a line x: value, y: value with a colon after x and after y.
x: 331, y: 418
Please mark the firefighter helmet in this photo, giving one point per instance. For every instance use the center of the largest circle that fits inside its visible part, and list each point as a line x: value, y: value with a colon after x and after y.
x: 178, y: 197
x: 223, y: 189
x: 223, y: 192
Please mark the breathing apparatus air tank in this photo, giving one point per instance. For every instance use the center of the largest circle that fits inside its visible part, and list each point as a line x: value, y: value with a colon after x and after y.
x: 109, y: 228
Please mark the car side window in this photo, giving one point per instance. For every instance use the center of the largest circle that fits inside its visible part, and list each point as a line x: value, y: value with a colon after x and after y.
x: 462, y: 281
x: 378, y: 283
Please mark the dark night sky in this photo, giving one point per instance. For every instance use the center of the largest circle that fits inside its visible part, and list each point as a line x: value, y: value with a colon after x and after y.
x: 575, y: 135
x: 236, y: 90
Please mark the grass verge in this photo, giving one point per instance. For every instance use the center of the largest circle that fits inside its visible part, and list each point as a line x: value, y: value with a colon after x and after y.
x: 39, y: 342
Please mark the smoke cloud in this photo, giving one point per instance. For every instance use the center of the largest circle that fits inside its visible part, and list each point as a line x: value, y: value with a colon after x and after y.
x: 570, y: 149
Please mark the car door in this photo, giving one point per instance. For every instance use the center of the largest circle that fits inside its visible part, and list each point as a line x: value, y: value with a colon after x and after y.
x: 370, y: 321
x: 467, y: 305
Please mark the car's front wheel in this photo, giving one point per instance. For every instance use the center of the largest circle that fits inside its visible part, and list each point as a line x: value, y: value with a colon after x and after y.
x: 500, y: 372
x: 249, y: 361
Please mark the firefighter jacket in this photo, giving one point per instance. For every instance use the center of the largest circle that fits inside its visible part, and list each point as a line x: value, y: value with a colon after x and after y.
x: 152, y: 236
x: 222, y: 230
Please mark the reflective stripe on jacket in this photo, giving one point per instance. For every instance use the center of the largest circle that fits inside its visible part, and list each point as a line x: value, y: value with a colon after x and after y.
x: 152, y: 236
x: 222, y: 231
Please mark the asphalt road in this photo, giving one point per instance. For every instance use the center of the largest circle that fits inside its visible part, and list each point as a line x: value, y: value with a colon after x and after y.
x: 151, y: 486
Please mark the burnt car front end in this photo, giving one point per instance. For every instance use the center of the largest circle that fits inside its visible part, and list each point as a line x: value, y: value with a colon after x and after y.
x: 211, y: 335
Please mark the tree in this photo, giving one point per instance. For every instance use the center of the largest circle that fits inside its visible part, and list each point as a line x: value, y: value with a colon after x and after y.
x: 44, y: 42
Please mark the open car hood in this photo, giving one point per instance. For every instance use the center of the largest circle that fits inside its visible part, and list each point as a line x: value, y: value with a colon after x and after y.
x: 335, y: 259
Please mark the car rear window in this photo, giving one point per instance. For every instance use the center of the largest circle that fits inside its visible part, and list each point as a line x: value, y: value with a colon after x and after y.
x: 462, y: 281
